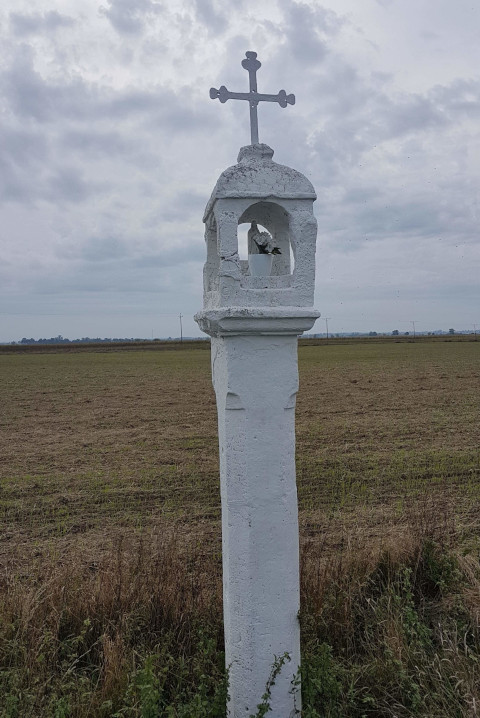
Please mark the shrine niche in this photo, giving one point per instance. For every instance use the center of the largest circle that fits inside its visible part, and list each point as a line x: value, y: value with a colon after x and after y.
x: 279, y: 198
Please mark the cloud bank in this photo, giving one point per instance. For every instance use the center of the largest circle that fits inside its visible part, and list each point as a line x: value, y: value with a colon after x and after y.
x: 110, y: 147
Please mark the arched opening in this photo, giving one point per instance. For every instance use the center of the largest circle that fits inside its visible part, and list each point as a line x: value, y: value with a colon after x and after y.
x: 275, y: 220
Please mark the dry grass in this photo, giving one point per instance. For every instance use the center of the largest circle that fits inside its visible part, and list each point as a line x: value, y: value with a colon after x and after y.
x: 76, y: 637
x: 390, y: 631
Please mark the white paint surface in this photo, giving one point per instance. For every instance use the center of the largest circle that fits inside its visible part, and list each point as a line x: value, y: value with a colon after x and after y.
x: 254, y: 323
x: 281, y: 200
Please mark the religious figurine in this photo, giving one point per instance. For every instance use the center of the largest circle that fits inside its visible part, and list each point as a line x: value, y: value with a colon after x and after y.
x: 263, y: 240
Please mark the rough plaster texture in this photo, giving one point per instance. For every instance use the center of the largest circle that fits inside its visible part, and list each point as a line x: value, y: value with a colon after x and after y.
x: 280, y: 199
x: 254, y: 323
x: 256, y: 380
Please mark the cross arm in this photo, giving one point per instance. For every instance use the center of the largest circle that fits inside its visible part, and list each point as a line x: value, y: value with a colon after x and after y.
x: 255, y: 97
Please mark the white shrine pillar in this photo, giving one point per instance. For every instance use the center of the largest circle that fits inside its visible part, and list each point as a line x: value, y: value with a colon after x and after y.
x: 254, y: 322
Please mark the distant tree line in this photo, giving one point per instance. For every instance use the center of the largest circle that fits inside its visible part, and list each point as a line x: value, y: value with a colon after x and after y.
x: 106, y: 340
x: 83, y: 340
x: 394, y: 333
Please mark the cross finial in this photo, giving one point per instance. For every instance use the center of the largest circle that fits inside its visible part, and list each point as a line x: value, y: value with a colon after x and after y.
x: 251, y: 64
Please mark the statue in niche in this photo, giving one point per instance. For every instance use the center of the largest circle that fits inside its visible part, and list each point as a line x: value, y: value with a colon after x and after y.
x: 263, y: 241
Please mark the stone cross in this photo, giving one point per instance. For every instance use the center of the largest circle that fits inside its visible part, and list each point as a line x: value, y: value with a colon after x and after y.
x: 251, y: 64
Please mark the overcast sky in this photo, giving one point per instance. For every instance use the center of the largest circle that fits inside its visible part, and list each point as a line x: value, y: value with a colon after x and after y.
x: 110, y: 147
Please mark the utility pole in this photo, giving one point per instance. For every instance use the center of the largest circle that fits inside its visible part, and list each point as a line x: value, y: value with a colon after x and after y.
x: 475, y: 331
x: 181, y: 330
x: 413, y: 324
x: 326, y: 324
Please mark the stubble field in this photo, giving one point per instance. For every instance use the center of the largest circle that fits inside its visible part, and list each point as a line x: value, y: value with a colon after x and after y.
x: 109, y: 466
x: 95, y: 442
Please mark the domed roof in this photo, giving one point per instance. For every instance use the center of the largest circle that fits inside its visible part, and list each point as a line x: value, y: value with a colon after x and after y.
x: 257, y: 175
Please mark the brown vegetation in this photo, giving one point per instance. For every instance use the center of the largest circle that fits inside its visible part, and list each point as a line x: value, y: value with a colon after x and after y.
x: 110, y: 536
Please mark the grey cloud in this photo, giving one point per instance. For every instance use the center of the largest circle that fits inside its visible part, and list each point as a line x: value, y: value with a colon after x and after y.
x: 22, y: 158
x: 22, y: 147
x: 128, y: 17
x: 307, y: 29
x: 68, y: 185
x: 430, y: 36
x: 357, y: 116
x: 211, y: 16
x: 337, y: 147
x: 13, y: 186
x: 339, y: 90
x: 24, y: 25
x: 191, y: 252
x: 126, y: 270
x: 116, y: 175
x: 300, y: 16
x: 460, y: 97
x: 414, y: 113
x: 358, y: 195
x: 407, y: 217
x: 417, y: 113
x: 99, y: 142
x: 81, y: 122
x: 130, y: 102
x: 355, y: 218
x: 29, y: 95
x: 305, y: 44
x: 103, y: 249
x: 185, y: 204
x: 164, y: 109
x: 31, y: 167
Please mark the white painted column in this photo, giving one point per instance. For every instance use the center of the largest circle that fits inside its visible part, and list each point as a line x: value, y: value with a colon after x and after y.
x: 254, y: 323
x: 256, y: 380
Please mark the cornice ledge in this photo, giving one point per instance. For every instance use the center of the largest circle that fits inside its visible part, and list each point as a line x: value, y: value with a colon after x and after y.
x: 230, y: 321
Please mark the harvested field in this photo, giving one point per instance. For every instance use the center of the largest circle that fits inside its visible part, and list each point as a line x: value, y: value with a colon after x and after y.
x: 109, y: 464
x: 94, y: 442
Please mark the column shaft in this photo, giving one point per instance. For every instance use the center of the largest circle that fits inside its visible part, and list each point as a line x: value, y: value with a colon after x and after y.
x: 256, y: 381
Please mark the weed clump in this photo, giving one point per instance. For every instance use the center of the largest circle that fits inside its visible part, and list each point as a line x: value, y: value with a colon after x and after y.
x: 390, y: 634
x: 137, y: 634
